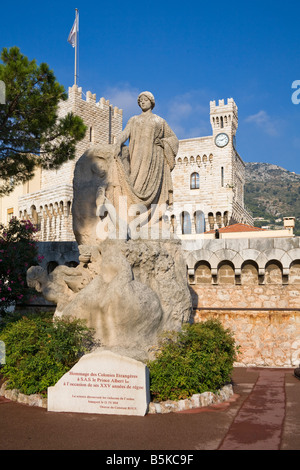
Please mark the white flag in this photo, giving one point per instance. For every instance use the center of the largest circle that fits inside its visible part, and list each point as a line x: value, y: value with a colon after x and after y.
x: 73, y: 32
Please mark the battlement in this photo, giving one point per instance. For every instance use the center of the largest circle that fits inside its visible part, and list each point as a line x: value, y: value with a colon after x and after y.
x: 103, y: 125
x: 75, y: 93
x: 224, y: 115
x: 222, y: 107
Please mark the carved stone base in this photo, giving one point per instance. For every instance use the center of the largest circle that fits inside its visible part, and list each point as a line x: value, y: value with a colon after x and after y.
x: 128, y: 291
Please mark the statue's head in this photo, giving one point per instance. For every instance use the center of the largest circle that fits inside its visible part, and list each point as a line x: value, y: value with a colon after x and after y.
x: 147, y: 95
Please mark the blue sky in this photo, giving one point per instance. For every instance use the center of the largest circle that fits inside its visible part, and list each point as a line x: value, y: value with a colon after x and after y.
x: 186, y: 54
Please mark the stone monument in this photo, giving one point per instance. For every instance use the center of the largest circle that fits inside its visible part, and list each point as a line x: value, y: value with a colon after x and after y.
x: 102, y: 382
x: 131, y: 283
x: 118, y: 183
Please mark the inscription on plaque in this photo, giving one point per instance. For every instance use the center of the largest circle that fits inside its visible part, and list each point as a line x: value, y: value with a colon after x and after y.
x: 102, y: 382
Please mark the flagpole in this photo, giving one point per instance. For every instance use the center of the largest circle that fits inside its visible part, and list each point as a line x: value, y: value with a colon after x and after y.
x: 76, y: 28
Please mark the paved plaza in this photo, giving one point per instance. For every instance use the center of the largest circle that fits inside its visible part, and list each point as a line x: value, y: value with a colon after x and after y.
x: 263, y: 414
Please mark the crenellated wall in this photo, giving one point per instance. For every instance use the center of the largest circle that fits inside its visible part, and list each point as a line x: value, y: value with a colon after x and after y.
x: 104, y: 124
x: 253, y: 287
x: 236, y: 253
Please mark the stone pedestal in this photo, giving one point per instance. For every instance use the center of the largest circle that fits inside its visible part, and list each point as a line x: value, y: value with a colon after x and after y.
x: 129, y: 292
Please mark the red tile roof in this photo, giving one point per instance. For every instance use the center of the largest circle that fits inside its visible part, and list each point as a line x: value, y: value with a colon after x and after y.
x: 237, y: 228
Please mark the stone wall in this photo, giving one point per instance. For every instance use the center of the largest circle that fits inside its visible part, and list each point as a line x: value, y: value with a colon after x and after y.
x: 247, y: 297
x: 267, y: 338
x: 253, y: 288
x: 265, y: 320
x: 251, y: 285
x: 58, y: 253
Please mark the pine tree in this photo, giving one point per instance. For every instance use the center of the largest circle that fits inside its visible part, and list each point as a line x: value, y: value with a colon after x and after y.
x: 31, y: 134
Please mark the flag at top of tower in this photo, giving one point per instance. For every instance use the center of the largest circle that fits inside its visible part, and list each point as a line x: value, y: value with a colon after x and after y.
x: 74, y: 30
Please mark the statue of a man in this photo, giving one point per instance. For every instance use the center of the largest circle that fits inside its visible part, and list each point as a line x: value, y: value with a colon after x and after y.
x: 153, y: 147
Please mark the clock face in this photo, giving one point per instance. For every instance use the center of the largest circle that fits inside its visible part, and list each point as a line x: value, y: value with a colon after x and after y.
x: 221, y: 140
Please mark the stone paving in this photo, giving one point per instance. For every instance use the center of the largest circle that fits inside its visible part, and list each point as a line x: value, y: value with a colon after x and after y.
x: 262, y: 414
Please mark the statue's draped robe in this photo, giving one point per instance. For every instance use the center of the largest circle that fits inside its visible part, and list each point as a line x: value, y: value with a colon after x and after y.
x: 153, y: 147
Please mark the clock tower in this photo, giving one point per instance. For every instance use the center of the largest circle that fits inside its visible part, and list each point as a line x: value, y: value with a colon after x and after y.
x: 229, y: 165
x: 224, y: 122
x: 209, y: 177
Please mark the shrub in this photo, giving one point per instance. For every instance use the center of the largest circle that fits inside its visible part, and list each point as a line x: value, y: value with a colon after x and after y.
x: 198, y: 359
x: 18, y: 251
x: 40, y: 350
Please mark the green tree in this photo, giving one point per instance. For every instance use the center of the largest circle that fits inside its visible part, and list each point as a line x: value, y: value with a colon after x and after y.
x: 31, y: 134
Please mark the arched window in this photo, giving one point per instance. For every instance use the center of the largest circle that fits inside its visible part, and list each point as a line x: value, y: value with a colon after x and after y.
x: 195, y: 180
x: 199, y: 220
x: 219, y: 219
x: 249, y: 273
x: 186, y: 226
x: 273, y: 272
x: 203, y: 273
x: 68, y: 208
x: 225, y: 219
x: 211, y: 220
x: 34, y: 215
x: 226, y: 273
x: 294, y: 277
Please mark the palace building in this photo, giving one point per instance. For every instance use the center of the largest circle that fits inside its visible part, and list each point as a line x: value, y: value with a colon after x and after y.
x: 249, y: 278
x: 208, y: 178
x: 47, y: 199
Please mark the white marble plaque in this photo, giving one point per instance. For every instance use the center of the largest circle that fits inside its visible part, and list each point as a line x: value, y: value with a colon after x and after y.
x: 104, y: 383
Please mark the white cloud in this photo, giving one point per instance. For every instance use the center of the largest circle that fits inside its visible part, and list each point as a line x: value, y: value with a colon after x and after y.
x: 180, y: 109
x: 187, y: 114
x: 124, y: 97
x: 265, y: 122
